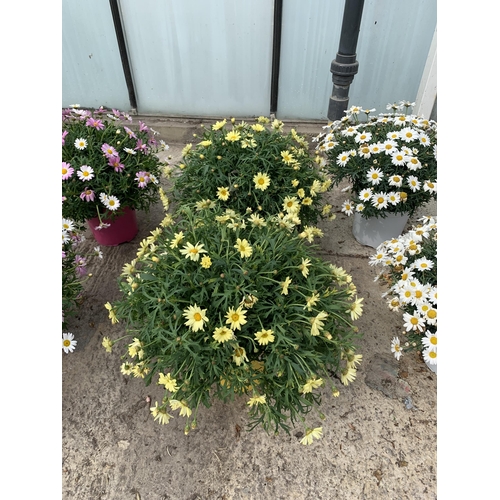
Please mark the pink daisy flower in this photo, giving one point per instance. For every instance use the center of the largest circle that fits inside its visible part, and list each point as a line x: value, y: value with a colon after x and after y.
x: 67, y: 170
x: 142, y: 178
x: 129, y: 132
x: 140, y: 146
x: 108, y: 150
x: 114, y: 161
x: 64, y: 134
x: 142, y: 127
x: 87, y: 195
x: 97, y: 124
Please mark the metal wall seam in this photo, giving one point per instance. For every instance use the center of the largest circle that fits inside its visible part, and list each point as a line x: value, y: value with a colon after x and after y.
x: 120, y: 38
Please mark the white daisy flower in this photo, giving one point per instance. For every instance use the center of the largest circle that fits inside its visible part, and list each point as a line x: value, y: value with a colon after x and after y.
x: 365, y: 194
x: 413, y: 163
x: 396, y: 180
x: 347, y: 207
x: 423, y: 264
x: 374, y: 175
x: 67, y: 225
x: 424, y: 139
x: 396, y: 348
x: 413, y: 322
x: 393, y: 198
x: 430, y: 187
x: 408, y: 134
x: 362, y: 137
x: 379, y: 200
x: 343, y: 158
x: 413, y: 183
x: 398, y: 158
x: 112, y: 203
x: 68, y: 342
x: 80, y: 143
x: 360, y: 207
x: 430, y: 356
x: 389, y: 146
x: 85, y: 173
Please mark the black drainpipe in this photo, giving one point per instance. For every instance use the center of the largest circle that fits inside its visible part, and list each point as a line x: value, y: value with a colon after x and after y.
x: 120, y: 37
x: 345, y: 66
x: 275, y: 71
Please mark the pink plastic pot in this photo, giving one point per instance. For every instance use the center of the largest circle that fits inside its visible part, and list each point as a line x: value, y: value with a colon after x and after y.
x: 122, y: 228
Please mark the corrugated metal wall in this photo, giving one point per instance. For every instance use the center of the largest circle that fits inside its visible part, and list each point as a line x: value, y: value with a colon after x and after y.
x: 200, y: 58
x: 213, y: 58
x: 92, y: 73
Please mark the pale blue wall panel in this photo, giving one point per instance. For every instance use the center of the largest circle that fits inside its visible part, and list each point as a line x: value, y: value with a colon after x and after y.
x: 393, y: 44
x: 309, y: 42
x: 200, y: 58
x: 92, y: 73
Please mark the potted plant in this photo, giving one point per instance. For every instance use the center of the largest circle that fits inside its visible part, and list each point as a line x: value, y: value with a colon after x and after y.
x: 74, y: 274
x: 221, y: 304
x: 390, y: 163
x: 410, y: 270
x: 109, y: 169
x: 255, y: 167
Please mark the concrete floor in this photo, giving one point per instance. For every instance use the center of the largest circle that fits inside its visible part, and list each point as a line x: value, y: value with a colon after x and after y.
x: 379, y: 435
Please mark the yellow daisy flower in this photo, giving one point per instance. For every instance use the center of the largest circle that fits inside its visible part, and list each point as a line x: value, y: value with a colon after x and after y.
x: 233, y: 136
x: 317, y: 323
x: 169, y: 382
x: 243, y: 247
x: 287, y: 157
x: 315, y: 433
x: 262, y: 181
x: 107, y: 343
x: 180, y: 405
x: 206, y: 262
x: 112, y: 314
x: 284, y: 285
x: 219, y: 125
x: 239, y: 356
x: 160, y: 413
x: 196, y: 318
x: 257, y: 400
x: 223, y: 334
x: 236, y: 318
x: 193, y: 251
x: 223, y: 193
x: 263, y: 336
x: 304, y: 267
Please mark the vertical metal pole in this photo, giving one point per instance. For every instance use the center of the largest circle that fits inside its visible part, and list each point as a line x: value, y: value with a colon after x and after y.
x: 345, y: 66
x: 275, y: 69
x: 120, y: 38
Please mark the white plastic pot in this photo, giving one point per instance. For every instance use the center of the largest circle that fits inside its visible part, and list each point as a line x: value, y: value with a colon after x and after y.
x: 375, y: 230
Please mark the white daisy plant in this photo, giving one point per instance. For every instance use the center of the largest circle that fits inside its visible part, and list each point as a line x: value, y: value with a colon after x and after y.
x: 395, y: 152
x: 409, y: 267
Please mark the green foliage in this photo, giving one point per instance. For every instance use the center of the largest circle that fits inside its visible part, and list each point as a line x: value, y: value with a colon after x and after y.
x: 230, y: 156
x: 267, y: 274
x: 95, y: 129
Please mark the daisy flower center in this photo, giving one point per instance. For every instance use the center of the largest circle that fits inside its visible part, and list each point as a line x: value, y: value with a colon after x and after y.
x: 235, y: 317
x: 432, y: 354
x: 66, y: 343
x: 64, y: 171
x: 433, y: 340
x: 414, y: 321
x: 197, y: 316
x: 193, y: 250
x: 432, y: 314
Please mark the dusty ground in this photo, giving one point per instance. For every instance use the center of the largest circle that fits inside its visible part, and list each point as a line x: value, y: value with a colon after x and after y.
x: 379, y: 435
